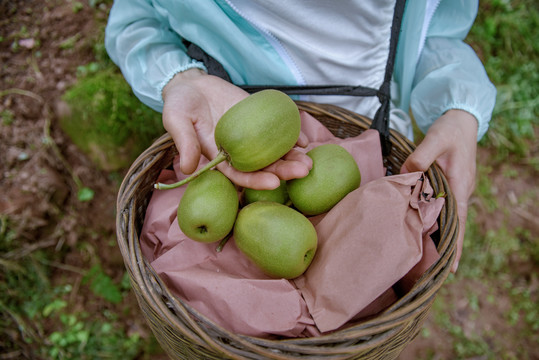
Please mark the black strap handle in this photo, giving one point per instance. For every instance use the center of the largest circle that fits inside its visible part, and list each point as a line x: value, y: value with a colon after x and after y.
x: 213, y: 66
x: 381, y: 117
x: 316, y: 89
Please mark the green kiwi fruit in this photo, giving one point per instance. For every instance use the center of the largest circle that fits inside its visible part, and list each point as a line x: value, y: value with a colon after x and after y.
x: 278, y: 239
x: 208, y: 208
x: 254, y: 133
x: 334, y: 174
x: 278, y: 195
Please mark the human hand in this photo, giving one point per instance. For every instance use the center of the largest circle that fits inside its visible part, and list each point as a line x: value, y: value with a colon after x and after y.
x: 193, y: 104
x: 452, y: 142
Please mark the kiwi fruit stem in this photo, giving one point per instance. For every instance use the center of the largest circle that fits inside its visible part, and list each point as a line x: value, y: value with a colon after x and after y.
x: 221, y: 156
x: 223, y: 242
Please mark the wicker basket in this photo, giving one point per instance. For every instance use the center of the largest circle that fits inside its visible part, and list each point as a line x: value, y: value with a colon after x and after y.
x: 186, y: 334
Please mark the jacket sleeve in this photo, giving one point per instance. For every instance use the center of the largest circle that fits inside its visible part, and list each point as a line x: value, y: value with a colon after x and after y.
x: 140, y: 42
x: 449, y: 75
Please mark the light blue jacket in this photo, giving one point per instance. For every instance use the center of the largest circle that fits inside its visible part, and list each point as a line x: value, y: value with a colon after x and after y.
x: 144, y: 38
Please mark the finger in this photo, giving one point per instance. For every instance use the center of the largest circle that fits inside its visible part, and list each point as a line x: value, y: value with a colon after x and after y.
x: 462, y: 212
x: 258, y: 180
x: 295, y: 164
x: 300, y: 156
x: 185, y: 138
x: 424, y: 155
x: 461, y: 182
x: 287, y: 170
x: 303, y: 140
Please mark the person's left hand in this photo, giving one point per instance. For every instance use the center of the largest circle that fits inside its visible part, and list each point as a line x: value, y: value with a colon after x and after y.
x: 452, y: 142
x: 193, y: 104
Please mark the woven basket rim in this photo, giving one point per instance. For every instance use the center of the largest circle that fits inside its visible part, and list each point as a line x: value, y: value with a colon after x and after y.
x: 149, y: 289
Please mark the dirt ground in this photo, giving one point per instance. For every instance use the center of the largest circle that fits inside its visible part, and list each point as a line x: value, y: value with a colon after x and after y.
x: 39, y: 166
x: 40, y: 169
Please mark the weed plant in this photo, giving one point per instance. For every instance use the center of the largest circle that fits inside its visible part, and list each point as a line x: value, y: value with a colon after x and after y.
x: 37, y: 318
x: 505, y: 35
x: 105, y: 119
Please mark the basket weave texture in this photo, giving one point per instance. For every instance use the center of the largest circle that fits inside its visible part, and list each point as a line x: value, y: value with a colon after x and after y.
x: 184, y: 333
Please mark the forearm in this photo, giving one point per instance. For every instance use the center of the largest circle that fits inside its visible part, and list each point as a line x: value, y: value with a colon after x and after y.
x: 147, y: 52
x: 450, y: 76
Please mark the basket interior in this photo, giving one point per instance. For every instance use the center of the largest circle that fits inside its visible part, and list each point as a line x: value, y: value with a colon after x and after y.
x: 184, y: 333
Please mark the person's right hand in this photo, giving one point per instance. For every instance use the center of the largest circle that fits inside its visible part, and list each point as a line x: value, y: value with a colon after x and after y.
x: 193, y: 104
x: 452, y: 142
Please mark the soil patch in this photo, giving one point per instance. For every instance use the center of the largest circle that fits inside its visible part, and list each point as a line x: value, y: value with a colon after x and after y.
x: 42, y: 45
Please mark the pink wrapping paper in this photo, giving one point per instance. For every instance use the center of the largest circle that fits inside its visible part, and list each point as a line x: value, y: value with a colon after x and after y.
x: 224, y: 286
x: 235, y: 294
x: 367, y: 242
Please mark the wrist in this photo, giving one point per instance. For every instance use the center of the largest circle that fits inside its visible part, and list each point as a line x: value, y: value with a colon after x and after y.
x: 182, y: 77
x: 464, y: 121
x: 463, y: 117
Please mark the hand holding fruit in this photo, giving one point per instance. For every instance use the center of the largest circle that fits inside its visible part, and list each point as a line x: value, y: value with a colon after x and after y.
x: 452, y: 142
x: 253, y: 135
x: 193, y: 104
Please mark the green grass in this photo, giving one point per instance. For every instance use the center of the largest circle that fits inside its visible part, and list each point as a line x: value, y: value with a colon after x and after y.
x: 106, y: 120
x: 506, y: 36
x: 38, y: 318
x: 51, y: 310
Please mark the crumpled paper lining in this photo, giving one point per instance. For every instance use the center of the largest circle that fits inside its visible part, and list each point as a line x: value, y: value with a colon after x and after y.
x: 365, y: 256
x: 368, y: 244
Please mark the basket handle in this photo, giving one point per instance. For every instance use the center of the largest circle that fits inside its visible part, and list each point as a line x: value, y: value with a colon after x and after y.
x: 381, y: 117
